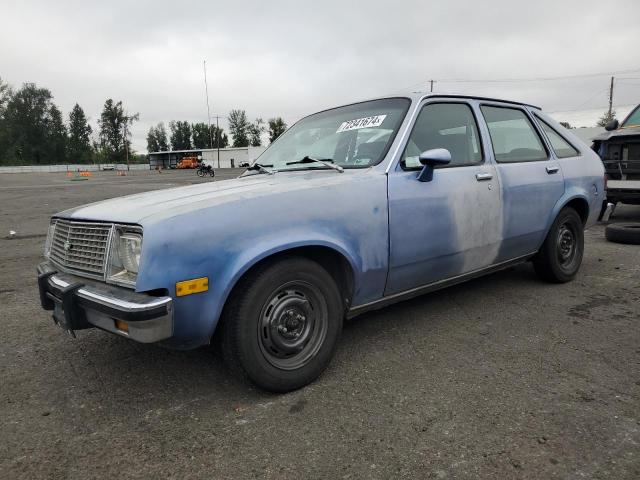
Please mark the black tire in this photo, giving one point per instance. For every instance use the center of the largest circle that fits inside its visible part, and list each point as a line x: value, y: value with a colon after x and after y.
x: 200, y: 173
x: 628, y: 233
x: 560, y: 256
x: 212, y: 173
x: 282, y: 325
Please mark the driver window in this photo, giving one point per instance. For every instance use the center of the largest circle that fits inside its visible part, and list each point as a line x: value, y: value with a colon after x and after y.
x: 444, y: 125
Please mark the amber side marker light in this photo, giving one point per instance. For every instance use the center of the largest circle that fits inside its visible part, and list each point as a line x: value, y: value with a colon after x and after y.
x: 122, y: 326
x: 189, y: 287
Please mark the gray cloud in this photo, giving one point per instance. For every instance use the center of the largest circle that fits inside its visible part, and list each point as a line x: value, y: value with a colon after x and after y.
x: 291, y: 58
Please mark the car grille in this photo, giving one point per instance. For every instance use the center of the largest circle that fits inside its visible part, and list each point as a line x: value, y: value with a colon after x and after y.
x: 81, y: 247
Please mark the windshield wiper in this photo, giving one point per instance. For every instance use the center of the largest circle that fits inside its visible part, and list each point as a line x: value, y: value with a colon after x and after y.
x: 259, y: 168
x: 327, y: 162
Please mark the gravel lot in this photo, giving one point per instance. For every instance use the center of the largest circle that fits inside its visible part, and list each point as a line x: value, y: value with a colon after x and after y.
x: 502, y: 377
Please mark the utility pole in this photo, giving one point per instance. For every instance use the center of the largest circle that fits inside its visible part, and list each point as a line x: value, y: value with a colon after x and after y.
x: 431, y: 82
x: 218, y: 139
x: 206, y: 89
x: 126, y: 149
x: 611, y: 98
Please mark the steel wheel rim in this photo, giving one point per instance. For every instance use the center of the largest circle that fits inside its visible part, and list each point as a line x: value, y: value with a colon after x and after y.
x: 293, y: 324
x: 566, y: 244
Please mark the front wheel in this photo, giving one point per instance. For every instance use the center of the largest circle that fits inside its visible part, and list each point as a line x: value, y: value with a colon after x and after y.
x: 282, y: 324
x: 200, y: 173
x: 212, y: 173
x: 560, y: 257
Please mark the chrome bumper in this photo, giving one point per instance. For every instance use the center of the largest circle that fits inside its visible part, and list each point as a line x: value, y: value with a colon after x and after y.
x: 79, y: 303
x: 606, y: 212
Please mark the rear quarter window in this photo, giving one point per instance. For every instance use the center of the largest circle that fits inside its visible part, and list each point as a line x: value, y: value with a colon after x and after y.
x: 561, y: 147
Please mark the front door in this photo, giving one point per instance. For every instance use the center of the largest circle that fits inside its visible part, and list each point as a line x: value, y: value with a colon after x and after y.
x: 451, y: 225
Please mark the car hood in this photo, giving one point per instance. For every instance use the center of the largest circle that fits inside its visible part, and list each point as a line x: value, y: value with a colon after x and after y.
x: 155, y: 205
x: 620, y: 133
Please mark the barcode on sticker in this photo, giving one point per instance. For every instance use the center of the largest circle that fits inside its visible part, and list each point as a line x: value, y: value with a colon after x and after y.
x: 365, y: 122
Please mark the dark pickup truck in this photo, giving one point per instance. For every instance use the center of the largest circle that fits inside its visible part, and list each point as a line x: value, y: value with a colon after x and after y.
x: 619, y: 149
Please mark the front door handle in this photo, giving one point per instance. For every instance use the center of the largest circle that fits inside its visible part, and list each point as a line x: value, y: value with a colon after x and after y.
x: 483, y: 177
x: 552, y: 170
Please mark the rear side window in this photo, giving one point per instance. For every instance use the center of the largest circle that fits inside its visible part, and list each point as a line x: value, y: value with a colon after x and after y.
x: 513, y: 137
x: 444, y: 125
x: 562, y: 148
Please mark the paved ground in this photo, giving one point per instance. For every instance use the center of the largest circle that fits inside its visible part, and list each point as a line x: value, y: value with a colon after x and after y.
x: 503, y: 377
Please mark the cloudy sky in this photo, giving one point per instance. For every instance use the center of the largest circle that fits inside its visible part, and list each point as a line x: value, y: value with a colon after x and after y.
x: 291, y: 58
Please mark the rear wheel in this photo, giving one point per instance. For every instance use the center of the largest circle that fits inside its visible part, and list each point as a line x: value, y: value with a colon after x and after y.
x: 560, y: 257
x: 282, y: 324
x: 200, y: 173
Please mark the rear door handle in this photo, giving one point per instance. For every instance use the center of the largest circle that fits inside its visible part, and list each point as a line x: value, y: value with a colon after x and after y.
x: 552, y: 170
x: 482, y: 177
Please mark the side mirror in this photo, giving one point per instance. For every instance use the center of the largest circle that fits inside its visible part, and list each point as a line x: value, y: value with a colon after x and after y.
x: 612, y: 125
x: 430, y: 159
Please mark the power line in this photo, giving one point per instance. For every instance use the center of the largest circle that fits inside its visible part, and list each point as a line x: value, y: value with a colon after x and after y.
x: 524, y: 80
x: 538, y: 79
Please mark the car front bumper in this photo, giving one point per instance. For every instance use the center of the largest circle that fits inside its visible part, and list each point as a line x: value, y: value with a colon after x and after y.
x: 79, y: 303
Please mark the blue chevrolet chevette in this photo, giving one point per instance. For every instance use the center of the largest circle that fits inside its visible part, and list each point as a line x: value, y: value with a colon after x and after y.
x: 351, y: 209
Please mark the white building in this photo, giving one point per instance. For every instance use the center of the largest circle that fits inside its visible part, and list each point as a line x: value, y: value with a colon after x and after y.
x: 229, y: 157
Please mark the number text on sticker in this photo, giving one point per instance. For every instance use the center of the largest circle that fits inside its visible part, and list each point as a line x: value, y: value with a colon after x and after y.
x: 366, y: 122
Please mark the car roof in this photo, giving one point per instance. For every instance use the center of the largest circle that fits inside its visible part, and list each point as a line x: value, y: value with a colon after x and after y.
x: 419, y: 95
x: 416, y: 96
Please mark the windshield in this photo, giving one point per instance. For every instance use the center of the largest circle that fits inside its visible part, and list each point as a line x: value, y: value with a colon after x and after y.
x: 633, y: 120
x: 353, y: 136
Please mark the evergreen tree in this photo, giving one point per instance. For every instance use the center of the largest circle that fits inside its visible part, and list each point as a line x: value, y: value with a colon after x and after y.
x: 606, y: 118
x: 239, y: 127
x: 79, y: 143
x: 57, y: 136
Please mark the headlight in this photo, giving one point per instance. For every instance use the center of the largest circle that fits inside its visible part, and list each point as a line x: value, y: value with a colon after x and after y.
x: 49, y: 241
x: 126, y: 248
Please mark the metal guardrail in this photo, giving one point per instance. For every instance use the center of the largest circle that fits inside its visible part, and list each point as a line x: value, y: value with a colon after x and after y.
x: 68, y: 168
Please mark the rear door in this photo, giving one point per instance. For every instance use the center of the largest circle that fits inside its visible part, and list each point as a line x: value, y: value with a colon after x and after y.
x: 530, y: 180
x: 451, y: 225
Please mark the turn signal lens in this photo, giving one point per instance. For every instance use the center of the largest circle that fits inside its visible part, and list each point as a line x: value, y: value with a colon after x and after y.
x: 122, y: 326
x: 189, y: 287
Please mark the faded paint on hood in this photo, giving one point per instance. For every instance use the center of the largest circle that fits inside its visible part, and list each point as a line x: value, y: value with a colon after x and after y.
x: 149, y: 207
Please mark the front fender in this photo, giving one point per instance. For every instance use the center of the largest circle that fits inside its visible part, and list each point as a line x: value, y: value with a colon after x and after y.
x: 347, y: 214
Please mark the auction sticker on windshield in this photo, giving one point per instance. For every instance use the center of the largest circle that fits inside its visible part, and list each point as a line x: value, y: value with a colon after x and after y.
x: 365, y: 122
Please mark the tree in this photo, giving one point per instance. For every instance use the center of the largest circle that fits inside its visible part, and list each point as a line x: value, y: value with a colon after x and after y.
x: 220, y: 139
x: 152, y: 141
x: 114, y: 131
x: 201, y: 135
x: 239, y: 128
x: 5, y: 95
x: 26, y: 124
x: 6, y: 92
x: 277, y: 126
x: 180, y: 135
x: 606, y: 118
x: 79, y: 143
x: 57, y: 135
x: 161, y: 137
x: 255, y: 132
x: 566, y: 125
